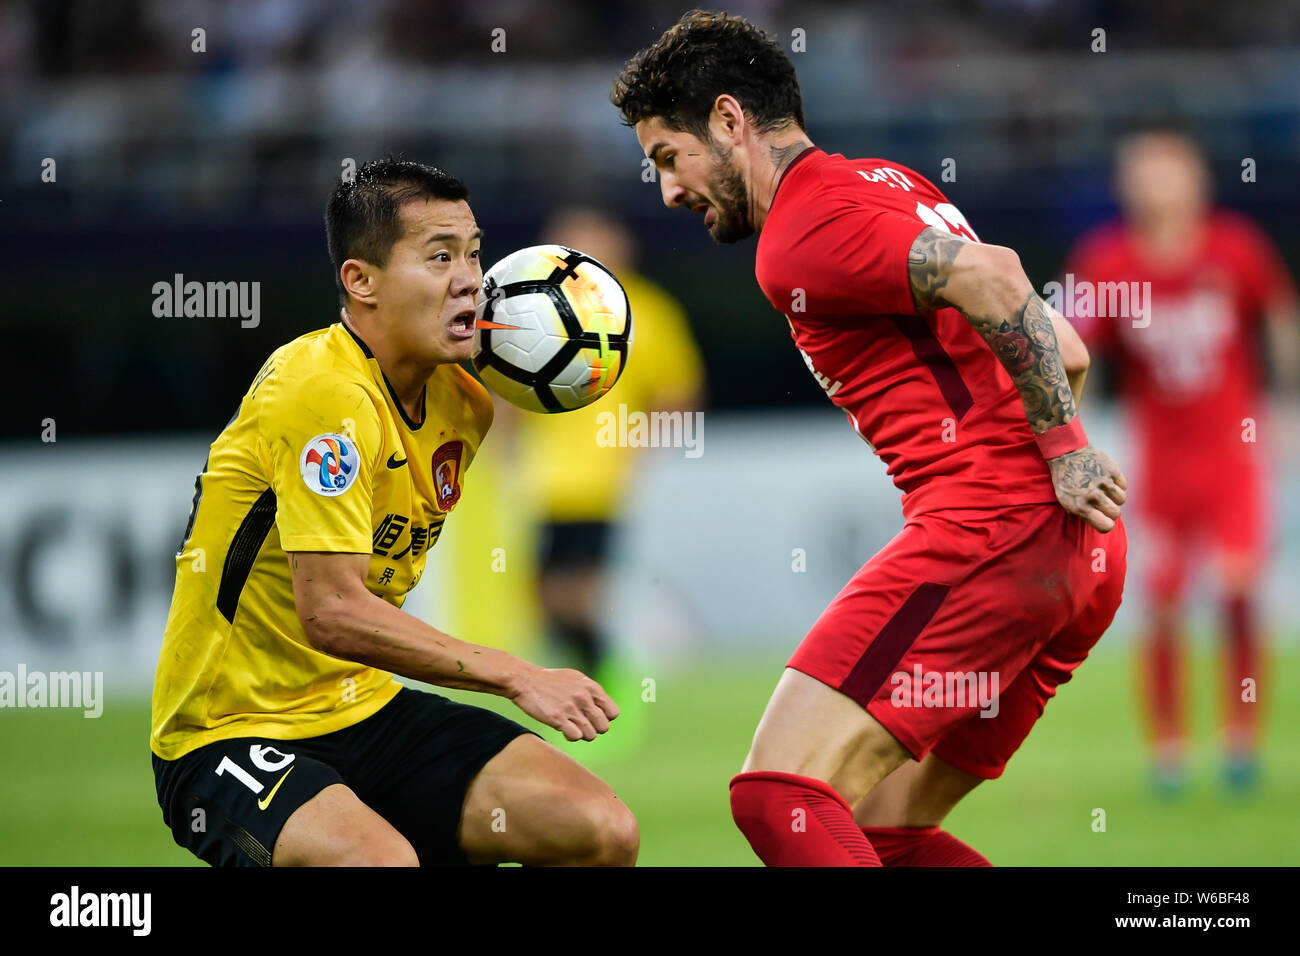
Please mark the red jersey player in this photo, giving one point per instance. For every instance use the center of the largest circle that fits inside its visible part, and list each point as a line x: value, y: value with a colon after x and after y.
x: 1188, y: 370
x: 1011, y: 561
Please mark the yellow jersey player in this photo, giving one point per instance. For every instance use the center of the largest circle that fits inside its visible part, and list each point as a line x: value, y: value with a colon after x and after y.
x: 279, y: 733
x: 580, y: 482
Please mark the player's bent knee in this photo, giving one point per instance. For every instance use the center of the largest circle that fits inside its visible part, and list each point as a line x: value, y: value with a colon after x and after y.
x: 620, y: 839
x: 628, y: 839
x: 365, y: 848
x: 810, y: 730
x: 392, y: 852
x: 562, y: 814
x: 611, y: 836
x: 335, y: 828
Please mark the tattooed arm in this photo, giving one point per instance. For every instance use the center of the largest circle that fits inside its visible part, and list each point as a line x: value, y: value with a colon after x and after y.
x: 987, y: 285
x: 1074, y: 354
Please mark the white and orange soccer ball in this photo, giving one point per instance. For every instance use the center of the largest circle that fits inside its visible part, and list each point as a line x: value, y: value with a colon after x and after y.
x: 553, y: 329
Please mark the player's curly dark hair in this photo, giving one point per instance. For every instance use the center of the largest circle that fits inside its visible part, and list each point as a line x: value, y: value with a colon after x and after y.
x: 363, y: 215
x: 703, y: 55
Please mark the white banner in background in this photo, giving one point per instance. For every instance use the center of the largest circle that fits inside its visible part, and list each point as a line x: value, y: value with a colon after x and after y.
x: 737, y: 550
x: 87, y: 552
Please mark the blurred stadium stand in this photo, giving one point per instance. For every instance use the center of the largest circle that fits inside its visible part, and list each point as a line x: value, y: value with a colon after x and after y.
x: 216, y: 164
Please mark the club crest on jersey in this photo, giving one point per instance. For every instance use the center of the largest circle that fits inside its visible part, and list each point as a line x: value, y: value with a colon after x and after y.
x: 446, y: 475
x: 329, y: 464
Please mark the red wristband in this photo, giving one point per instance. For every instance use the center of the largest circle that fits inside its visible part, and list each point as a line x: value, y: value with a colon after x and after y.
x: 1062, y: 439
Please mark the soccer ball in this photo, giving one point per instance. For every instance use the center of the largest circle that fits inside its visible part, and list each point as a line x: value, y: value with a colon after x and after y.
x: 553, y: 329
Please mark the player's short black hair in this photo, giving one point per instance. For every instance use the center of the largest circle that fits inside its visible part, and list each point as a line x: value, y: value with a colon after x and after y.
x: 363, y: 215
x: 703, y: 55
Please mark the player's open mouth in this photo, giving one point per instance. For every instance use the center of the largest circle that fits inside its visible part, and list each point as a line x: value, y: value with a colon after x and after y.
x: 462, y: 325
x: 708, y: 210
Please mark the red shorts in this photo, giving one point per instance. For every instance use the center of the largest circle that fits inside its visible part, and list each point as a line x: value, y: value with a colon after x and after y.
x: 957, y: 633
x: 1184, y: 511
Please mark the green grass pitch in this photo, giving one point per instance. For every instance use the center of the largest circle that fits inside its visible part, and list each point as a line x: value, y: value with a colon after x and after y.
x: 79, y: 792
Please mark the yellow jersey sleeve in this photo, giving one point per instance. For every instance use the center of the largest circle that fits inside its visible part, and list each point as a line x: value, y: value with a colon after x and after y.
x: 322, y: 436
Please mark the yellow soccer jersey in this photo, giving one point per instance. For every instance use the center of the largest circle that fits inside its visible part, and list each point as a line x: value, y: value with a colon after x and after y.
x: 319, y: 457
x: 574, y: 477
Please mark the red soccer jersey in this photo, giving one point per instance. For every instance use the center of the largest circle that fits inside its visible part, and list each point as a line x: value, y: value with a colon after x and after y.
x: 1189, y: 365
x: 923, y: 389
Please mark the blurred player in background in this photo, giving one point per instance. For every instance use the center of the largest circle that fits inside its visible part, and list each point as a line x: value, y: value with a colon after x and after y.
x: 965, y: 382
x: 276, y: 715
x: 581, y: 485
x: 1190, y: 372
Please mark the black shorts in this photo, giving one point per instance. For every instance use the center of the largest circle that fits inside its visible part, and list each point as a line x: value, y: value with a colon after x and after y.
x: 565, y: 545
x: 411, y: 762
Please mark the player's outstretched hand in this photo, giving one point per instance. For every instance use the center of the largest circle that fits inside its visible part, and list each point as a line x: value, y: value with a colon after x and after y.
x: 1090, y: 486
x: 567, y: 700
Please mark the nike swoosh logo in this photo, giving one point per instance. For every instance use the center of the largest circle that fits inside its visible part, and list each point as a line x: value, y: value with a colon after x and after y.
x: 263, y: 804
x: 484, y: 324
x: 394, y: 463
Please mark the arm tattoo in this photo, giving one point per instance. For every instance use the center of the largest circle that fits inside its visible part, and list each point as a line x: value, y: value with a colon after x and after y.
x: 1026, y: 346
x: 1024, y: 342
x: 928, y: 262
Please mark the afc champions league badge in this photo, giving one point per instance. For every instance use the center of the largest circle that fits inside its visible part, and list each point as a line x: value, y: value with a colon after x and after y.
x: 329, y: 464
x: 446, y: 475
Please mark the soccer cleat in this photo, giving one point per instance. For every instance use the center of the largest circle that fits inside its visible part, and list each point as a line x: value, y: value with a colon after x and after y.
x: 1241, y: 772
x: 1169, y: 780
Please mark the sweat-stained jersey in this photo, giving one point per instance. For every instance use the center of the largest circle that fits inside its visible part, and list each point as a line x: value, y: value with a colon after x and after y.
x: 319, y: 457
x: 923, y: 389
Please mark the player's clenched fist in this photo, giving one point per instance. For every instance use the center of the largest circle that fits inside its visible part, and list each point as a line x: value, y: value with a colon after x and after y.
x: 1090, y: 486
x: 567, y: 700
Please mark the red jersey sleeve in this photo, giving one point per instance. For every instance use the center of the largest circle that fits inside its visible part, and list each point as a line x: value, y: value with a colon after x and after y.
x: 851, y: 259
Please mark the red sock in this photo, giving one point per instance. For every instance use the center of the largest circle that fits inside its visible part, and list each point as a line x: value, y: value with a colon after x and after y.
x: 1164, y: 683
x: 791, y: 820
x: 921, y: 846
x: 1243, y: 661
